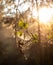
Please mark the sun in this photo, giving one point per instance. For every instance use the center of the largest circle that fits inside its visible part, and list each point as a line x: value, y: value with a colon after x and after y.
x: 45, y: 14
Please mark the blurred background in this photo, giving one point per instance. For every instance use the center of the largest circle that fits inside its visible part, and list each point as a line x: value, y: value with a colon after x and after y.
x: 26, y: 32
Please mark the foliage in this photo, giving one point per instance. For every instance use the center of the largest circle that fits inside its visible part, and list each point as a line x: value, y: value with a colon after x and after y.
x: 22, y: 24
x: 19, y: 33
x: 34, y: 38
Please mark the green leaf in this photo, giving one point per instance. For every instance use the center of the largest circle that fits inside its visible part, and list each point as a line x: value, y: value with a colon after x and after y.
x: 22, y: 24
x: 35, y: 36
x: 19, y: 33
x: 34, y: 41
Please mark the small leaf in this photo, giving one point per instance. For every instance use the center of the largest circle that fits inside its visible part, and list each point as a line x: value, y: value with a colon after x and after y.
x: 19, y: 33
x: 35, y: 36
x: 20, y: 23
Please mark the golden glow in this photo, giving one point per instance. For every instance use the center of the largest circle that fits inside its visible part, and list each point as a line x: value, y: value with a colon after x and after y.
x: 45, y: 14
x: 34, y: 13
